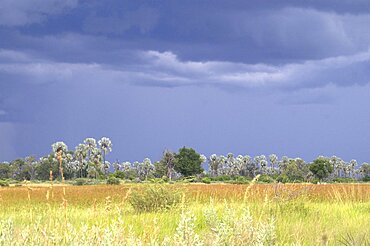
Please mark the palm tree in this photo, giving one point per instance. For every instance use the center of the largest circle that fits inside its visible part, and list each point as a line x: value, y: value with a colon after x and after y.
x: 90, y: 145
x: 145, y: 168
x: 261, y: 163
x: 203, y: 158
x: 96, y: 161
x: 106, y: 147
x: 223, y: 170
x: 230, y: 163
x: 283, y: 163
x: 248, y: 165
x: 346, y: 169
x: 214, y: 164
x: 126, y: 166
x: 336, y: 162
x: 352, y: 165
x: 117, y: 166
x: 60, y: 149
x: 273, y: 160
x: 239, y: 163
x: 81, y: 154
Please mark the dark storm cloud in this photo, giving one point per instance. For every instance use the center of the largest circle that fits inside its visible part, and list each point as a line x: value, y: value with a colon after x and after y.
x: 23, y: 12
x: 144, y: 19
x: 257, y: 32
x: 153, y: 68
x: 194, y: 71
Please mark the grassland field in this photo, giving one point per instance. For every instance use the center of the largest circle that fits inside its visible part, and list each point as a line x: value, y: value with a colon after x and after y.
x: 208, y: 214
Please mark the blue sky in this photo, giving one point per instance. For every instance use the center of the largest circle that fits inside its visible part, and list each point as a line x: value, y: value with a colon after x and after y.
x: 248, y: 77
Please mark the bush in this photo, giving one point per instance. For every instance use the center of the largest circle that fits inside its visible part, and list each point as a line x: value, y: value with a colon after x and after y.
x: 206, y: 180
x: 113, y: 181
x: 265, y: 179
x: 12, y: 181
x: 128, y: 175
x: 344, y: 180
x: 190, y: 179
x: 154, y: 198
x: 283, y: 179
x: 84, y: 181
x: 221, y: 178
x: 238, y: 180
x: 315, y: 181
x: 157, y: 181
x: 243, y: 180
x: 137, y: 180
x: 3, y: 183
x: 366, y: 179
x: 119, y: 174
x: 79, y: 181
x: 165, y: 178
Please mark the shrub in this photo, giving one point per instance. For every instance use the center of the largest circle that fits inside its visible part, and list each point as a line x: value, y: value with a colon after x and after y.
x: 265, y: 179
x: 185, y: 231
x: 366, y: 179
x: 238, y: 180
x: 315, y: 181
x: 119, y: 174
x: 243, y: 180
x: 344, y: 180
x: 229, y: 227
x: 113, y: 181
x: 190, y: 179
x: 157, y: 181
x: 282, y: 178
x: 154, y: 198
x: 221, y: 178
x: 84, y: 181
x: 80, y: 181
x: 206, y: 180
x: 128, y: 175
x: 12, y: 181
x: 137, y: 180
x: 3, y: 183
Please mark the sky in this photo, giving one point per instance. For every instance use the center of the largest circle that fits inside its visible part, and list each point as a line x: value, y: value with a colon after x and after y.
x: 254, y: 77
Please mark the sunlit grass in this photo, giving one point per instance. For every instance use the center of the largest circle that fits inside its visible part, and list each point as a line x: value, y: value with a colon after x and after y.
x: 303, y: 214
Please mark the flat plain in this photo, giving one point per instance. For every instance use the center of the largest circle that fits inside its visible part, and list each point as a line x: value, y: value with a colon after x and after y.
x: 207, y: 214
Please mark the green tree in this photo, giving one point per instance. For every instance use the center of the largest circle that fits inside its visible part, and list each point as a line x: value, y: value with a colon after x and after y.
x: 166, y: 165
x: 188, y: 162
x: 296, y: 170
x: 160, y: 169
x: 5, y: 171
x: 45, y: 165
x: 19, y: 170
x: 365, y: 170
x: 30, y: 167
x: 321, y: 168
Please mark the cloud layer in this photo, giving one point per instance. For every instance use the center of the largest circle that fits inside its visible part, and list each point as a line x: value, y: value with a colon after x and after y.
x: 261, y: 75
x: 153, y: 68
x: 23, y: 12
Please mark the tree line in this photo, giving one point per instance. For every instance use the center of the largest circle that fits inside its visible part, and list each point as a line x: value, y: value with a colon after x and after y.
x: 88, y: 160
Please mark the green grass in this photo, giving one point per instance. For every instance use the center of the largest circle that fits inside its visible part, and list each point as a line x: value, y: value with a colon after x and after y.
x: 96, y: 213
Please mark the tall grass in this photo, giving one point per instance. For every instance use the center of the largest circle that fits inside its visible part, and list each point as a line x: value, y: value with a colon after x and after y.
x: 215, y: 214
